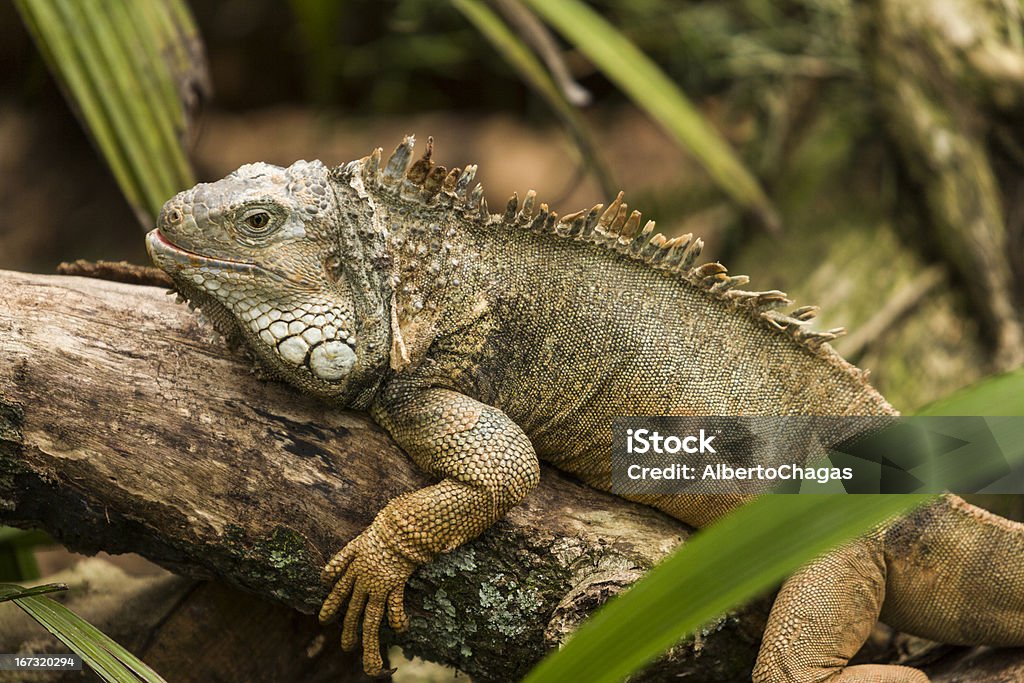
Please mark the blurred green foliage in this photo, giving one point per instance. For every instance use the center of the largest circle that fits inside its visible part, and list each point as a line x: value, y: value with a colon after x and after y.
x: 126, y: 68
x: 17, y: 553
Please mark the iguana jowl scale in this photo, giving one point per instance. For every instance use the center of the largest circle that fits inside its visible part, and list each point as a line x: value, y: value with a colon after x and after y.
x: 482, y: 342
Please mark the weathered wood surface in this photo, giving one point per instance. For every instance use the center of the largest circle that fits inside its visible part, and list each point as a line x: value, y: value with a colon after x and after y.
x: 124, y: 428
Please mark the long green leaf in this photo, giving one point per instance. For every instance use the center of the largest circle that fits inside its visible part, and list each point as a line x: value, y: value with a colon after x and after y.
x: 519, y: 56
x: 11, y: 591
x: 648, y: 86
x: 999, y: 395
x: 727, y: 564
x: 110, y: 661
x: 126, y: 66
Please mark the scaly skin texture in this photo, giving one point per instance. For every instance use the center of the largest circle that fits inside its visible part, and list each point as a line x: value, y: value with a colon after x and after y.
x: 483, y: 342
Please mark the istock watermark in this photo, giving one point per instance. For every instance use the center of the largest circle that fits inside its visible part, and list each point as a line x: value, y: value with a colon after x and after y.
x: 646, y: 441
x: 813, y: 454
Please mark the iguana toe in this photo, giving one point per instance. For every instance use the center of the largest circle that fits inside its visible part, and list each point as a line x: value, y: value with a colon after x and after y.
x: 397, y: 618
x: 371, y: 578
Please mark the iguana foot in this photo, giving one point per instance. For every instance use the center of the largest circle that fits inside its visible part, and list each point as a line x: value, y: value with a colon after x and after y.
x: 371, y: 576
x: 879, y: 673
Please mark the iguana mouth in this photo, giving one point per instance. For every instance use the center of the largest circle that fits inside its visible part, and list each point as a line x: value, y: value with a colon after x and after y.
x: 159, y: 244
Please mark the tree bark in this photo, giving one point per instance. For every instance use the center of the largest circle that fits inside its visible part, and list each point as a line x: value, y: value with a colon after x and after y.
x: 123, y: 427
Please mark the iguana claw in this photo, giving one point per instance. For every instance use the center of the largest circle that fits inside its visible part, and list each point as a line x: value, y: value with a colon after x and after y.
x: 371, y: 577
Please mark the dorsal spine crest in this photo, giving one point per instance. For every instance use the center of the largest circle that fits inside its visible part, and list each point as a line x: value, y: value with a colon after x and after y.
x: 614, y: 228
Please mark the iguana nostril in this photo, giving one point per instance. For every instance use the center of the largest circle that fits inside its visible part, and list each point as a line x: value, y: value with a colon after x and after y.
x: 173, y: 216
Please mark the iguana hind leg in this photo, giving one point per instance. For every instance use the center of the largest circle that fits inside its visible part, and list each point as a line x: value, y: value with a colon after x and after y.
x: 956, y: 575
x: 486, y: 465
x: 821, y: 618
x: 949, y: 572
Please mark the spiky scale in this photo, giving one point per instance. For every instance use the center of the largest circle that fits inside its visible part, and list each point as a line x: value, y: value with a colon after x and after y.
x: 538, y: 222
x: 399, y: 161
x: 371, y: 166
x: 450, y: 180
x: 692, y: 253
x: 782, y: 320
x: 675, y: 249
x: 549, y: 222
x: 815, y: 338
x: 712, y: 268
x: 590, y: 222
x: 646, y: 234
x: 476, y: 197
x: 526, y: 213
x: 577, y: 226
x: 620, y: 219
x: 510, y: 208
x: 632, y: 225
x: 653, y: 246
x: 570, y: 225
x: 419, y: 170
x: 665, y: 247
x: 569, y: 217
x: 609, y: 214
x: 814, y: 342
x: 706, y: 274
x: 771, y: 299
x: 435, y: 179
x: 710, y: 281
x: 680, y: 243
x: 805, y: 312
x: 465, y: 179
x: 726, y: 283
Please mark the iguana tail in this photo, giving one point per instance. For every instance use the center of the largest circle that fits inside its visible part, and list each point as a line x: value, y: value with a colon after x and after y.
x: 949, y: 572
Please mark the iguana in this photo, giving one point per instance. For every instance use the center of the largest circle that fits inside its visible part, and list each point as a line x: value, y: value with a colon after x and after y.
x: 484, y: 342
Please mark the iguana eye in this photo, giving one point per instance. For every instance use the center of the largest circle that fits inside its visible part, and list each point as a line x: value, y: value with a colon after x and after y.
x: 258, y: 220
x: 257, y: 223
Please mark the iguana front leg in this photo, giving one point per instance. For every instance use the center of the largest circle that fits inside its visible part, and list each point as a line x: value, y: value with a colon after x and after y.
x: 486, y: 465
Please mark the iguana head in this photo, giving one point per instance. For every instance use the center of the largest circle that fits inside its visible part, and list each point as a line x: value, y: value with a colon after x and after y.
x: 262, y: 254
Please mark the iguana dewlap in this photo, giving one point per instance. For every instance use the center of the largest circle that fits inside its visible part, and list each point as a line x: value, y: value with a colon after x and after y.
x: 483, y: 342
